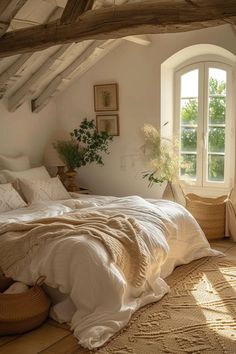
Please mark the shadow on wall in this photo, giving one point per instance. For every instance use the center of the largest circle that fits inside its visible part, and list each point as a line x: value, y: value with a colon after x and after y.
x: 23, y: 132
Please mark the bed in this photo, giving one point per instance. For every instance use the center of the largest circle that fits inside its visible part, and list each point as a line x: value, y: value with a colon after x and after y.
x: 103, y: 257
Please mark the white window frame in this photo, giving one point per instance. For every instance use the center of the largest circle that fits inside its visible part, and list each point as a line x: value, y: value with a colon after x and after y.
x: 201, y: 172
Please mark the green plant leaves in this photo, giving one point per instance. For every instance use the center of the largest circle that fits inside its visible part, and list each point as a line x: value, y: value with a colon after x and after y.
x: 86, y: 145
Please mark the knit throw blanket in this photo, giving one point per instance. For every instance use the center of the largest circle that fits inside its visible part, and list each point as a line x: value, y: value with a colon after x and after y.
x: 121, y: 236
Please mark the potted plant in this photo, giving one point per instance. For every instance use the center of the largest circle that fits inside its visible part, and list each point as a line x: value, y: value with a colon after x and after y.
x: 69, y: 153
x: 86, y: 146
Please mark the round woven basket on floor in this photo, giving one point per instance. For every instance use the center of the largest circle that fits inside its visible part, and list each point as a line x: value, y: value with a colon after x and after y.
x: 22, y: 312
x: 5, y: 283
x: 209, y: 213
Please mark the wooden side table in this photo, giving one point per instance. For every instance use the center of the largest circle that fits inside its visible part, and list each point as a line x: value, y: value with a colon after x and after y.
x: 81, y: 190
x: 84, y: 191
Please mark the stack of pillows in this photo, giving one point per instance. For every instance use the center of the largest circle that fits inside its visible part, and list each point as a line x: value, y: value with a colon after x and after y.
x: 21, y: 185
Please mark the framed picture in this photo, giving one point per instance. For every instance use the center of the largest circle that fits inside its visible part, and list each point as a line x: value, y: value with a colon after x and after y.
x: 108, y: 123
x: 106, y: 97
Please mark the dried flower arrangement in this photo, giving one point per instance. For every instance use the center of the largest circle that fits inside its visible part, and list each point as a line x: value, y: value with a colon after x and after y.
x: 162, y: 156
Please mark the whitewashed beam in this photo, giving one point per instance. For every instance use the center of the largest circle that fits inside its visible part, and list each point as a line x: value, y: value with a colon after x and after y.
x: 11, y: 71
x: 234, y: 29
x: 92, y: 60
x: 74, y: 9
x: 144, y: 17
x: 18, y: 65
x: 8, y: 9
x: 142, y: 39
x: 43, y: 98
x: 19, y: 96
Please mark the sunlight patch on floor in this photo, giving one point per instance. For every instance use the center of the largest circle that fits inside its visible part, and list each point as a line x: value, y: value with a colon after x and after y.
x: 219, y: 307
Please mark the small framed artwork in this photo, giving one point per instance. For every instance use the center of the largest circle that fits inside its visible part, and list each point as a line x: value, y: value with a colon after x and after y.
x: 108, y: 123
x: 106, y: 97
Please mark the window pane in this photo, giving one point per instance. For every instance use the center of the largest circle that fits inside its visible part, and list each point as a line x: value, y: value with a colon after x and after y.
x: 189, y: 84
x: 189, y: 111
x: 215, y: 168
x: 217, y: 110
x: 188, y: 165
x: 217, y: 82
x: 189, y: 139
x: 216, y: 140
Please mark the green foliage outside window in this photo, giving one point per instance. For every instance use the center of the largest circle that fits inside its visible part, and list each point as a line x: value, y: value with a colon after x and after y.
x: 189, y: 139
x: 188, y: 165
x: 216, y: 140
x: 216, y: 167
x: 216, y: 133
x: 217, y: 110
x: 189, y: 111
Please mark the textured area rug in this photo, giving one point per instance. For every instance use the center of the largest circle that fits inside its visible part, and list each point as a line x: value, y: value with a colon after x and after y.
x: 197, y: 316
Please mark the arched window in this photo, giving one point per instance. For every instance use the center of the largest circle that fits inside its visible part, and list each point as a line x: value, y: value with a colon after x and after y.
x: 203, y: 122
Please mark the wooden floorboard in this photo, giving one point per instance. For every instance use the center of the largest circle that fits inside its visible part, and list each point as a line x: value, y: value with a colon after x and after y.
x: 6, y: 339
x: 68, y: 345
x: 221, y: 244
x: 34, y: 341
x: 53, y: 338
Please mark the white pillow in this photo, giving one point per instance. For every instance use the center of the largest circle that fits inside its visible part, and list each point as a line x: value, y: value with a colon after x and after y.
x: 32, y: 174
x: 19, y: 163
x: 9, y: 198
x: 41, y: 190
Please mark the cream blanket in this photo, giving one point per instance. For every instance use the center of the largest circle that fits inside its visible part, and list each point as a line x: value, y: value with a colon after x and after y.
x: 121, y: 236
x: 82, y: 266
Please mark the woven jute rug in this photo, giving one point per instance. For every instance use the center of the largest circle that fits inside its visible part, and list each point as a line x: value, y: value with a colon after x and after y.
x: 197, y: 316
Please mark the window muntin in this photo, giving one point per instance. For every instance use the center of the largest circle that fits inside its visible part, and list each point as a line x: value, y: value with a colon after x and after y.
x: 203, y: 99
x: 189, y: 123
x: 217, y: 84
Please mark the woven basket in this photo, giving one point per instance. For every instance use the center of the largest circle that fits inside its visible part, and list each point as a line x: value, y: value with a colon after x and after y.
x: 22, y: 312
x: 209, y: 213
x: 5, y: 283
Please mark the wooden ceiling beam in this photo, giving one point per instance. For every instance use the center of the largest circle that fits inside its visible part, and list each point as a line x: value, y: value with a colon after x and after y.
x: 11, y: 71
x: 8, y: 9
x: 19, y: 96
x: 18, y: 65
x: 165, y: 16
x: 141, y: 39
x: 74, y: 9
x: 41, y: 101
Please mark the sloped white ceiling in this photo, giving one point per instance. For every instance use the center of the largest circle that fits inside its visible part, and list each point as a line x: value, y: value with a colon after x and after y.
x: 12, y: 81
x: 39, y: 76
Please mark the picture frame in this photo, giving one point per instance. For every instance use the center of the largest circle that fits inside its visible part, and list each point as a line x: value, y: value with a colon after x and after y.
x: 108, y: 123
x: 106, y: 97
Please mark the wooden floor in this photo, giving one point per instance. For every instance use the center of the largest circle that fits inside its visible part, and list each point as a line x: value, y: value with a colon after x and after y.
x: 52, y: 338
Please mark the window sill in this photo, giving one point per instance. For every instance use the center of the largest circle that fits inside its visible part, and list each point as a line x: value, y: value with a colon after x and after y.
x: 205, y: 191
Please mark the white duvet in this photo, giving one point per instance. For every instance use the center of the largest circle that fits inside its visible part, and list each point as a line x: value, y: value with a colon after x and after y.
x: 99, y: 300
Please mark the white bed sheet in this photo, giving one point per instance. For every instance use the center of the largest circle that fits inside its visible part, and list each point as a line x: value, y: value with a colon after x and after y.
x: 100, y: 299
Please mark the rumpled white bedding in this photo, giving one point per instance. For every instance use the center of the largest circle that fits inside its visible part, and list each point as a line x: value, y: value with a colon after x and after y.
x: 100, y: 300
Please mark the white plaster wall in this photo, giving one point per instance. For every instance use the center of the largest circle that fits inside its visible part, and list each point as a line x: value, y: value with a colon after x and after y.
x: 137, y: 70
x: 23, y: 132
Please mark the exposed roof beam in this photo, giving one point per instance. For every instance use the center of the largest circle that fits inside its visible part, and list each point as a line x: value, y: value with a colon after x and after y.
x: 234, y: 29
x: 8, y: 9
x: 74, y: 9
x: 43, y: 98
x: 11, y: 71
x: 119, y: 21
x: 18, y: 97
x: 141, y: 39
x: 90, y: 62
x: 14, y: 68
